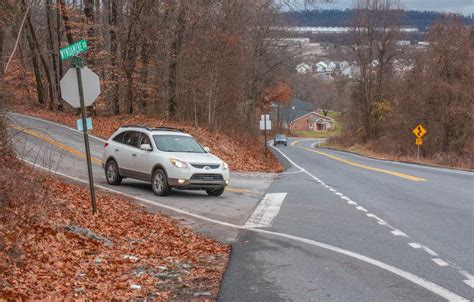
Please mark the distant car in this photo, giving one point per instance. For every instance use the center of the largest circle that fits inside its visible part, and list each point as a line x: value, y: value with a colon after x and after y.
x: 280, y: 139
x: 166, y: 157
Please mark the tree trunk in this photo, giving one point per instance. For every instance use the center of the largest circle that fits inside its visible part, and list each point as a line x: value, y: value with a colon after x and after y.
x: 60, y: 63
x: 67, y: 24
x: 89, y: 13
x: 173, y: 64
x: 36, y: 69
x: 33, y: 42
x: 53, y: 51
x: 113, y: 97
x: 2, y: 65
x: 144, y: 76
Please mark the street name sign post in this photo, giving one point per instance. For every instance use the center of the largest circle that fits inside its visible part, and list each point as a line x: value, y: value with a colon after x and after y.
x: 265, y: 124
x: 80, y: 87
x: 419, y: 131
x: 73, y: 49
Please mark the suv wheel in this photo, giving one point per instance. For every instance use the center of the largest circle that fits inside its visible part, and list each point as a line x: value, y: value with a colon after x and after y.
x: 215, y: 192
x: 112, y: 173
x: 159, y: 183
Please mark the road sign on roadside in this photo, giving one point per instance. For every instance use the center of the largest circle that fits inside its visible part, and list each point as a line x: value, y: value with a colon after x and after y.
x: 419, y: 141
x: 70, y: 88
x: 73, y: 49
x: 266, y: 125
x: 419, y: 131
x: 80, y: 86
x: 88, y: 124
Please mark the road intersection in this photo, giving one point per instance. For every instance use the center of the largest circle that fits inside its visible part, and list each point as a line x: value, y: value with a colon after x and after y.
x: 333, y: 227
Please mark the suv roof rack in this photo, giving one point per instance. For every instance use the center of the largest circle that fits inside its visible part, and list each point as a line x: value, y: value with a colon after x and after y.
x: 167, y: 129
x: 153, y: 129
x: 135, y: 126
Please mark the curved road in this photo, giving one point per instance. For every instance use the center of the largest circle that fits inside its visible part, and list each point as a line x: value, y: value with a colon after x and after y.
x: 346, y: 228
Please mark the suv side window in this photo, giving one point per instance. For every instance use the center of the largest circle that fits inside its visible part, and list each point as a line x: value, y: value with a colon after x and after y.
x: 145, y: 140
x: 119, y: 137
x: 131, y: 138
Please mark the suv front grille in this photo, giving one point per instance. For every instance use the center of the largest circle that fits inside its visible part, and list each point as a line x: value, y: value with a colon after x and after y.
x: 207, y: 177
x: 201, y: 166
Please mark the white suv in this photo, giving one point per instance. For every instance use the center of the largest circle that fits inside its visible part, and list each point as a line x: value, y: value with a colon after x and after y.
x: 166, y: 157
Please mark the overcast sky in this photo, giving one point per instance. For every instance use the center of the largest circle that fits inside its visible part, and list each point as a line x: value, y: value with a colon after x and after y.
x: 465, y: 7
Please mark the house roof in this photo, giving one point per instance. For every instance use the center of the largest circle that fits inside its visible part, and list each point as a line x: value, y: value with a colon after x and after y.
x: 313, y: 112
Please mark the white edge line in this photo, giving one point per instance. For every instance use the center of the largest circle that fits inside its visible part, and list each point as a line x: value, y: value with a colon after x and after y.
x: 439, y: 261
x: 428, y: 285
x: 56, y: 124
x: 429, y: 251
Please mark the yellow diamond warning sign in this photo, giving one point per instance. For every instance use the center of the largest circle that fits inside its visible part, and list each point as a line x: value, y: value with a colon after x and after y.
x: 419, y: 132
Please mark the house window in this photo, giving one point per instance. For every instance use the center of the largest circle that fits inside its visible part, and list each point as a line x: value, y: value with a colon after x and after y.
x: 310, y: 125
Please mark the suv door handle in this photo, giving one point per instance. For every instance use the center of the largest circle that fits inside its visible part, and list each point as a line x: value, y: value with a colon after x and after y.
x: 117, y: 150
x: 134, y: 155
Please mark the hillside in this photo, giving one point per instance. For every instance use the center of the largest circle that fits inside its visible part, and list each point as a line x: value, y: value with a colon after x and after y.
x: 335, y: 18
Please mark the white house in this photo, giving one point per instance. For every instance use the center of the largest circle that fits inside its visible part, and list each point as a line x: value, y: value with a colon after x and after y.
x: 321, y: 67
x: 331, y: 66
x: 303, y: 68
x: 343, y: 65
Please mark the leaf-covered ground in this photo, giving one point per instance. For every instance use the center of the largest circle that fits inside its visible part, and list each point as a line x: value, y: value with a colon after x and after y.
x: 131, y: 253
x: 240, y: 152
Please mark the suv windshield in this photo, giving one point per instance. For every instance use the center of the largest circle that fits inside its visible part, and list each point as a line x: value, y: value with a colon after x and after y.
x: 177, y: 143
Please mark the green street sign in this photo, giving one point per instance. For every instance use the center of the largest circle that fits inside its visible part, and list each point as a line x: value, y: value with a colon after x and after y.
x: 73, y: 49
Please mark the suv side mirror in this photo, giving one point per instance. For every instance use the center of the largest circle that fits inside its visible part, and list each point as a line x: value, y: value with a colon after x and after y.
x: 145, y: 147
x: 207, y: 149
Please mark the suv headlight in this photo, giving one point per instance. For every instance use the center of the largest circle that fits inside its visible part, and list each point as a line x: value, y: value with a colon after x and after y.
x: 225, y: 166
x: 179, y: 164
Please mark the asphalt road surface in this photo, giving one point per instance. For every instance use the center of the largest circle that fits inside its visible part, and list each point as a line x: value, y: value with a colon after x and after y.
x: 333, y: 227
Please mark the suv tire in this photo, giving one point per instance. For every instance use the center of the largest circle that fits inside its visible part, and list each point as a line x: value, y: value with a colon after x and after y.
x: 159, y: 183
x: 215, y: 192
x: 112, y: 173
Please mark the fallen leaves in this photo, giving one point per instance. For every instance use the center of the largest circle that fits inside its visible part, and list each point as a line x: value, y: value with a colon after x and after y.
x: 42, y: 257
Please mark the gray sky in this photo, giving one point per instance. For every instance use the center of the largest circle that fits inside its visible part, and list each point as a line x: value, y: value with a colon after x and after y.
x: 465, y: 7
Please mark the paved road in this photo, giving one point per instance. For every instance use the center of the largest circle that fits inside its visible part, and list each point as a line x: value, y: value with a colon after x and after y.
x: 61, y: 149
x: 348, y: 228
x: 416, y: 218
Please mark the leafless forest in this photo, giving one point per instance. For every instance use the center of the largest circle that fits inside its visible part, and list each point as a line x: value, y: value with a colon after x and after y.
x: 205, y: 62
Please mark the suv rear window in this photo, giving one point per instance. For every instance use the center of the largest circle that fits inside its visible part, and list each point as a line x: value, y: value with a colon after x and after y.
x: 131, y: 138
x: 119, y: 137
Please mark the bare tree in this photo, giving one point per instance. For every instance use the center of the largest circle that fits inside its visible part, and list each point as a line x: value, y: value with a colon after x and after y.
x: 375, y: 29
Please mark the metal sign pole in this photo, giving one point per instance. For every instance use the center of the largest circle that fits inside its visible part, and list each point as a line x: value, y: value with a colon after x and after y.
x: 418, y: 154
x: 77, y: 63
x: 265, y: 131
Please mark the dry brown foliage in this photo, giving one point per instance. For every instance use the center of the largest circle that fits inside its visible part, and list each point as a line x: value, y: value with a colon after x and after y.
x: 40, y: 259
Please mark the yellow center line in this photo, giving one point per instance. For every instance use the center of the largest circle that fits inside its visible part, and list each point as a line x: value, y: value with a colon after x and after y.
x: 55, y: 143
x: 95, y: 160
x: 293, y: 144
x: 348, y: 162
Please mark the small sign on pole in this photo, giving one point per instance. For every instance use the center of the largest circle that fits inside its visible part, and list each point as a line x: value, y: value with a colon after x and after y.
x: 419, y: 141
x: 265, y: 124
x: 419, y: 132
x: 88, y: 124
x: 73, y: 49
